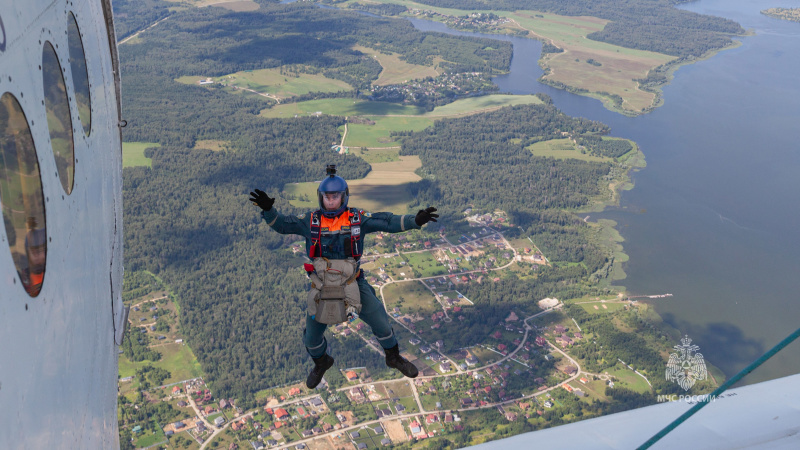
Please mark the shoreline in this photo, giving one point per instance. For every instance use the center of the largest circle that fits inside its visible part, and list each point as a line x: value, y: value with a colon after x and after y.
x: 614, y: 104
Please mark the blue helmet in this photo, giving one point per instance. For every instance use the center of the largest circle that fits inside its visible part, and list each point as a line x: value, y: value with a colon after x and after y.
x: 333, y: 183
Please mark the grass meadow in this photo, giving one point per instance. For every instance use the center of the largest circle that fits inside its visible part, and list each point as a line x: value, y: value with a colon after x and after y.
x: 413, y: 295
x: 396, y: 70
x: 133, y: 153
x: 562, y: 149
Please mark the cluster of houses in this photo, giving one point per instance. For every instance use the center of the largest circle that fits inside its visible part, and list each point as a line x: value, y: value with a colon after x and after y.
x: 445, y: 85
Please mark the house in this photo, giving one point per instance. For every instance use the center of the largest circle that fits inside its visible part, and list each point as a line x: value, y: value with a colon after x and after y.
x: 444, y: 367
x: 219, y: 421
x: 355, y: 435
x: 182, y: 404
x: 496, y: 335
x: 357, y: 394
x: 415, y: 428
x: 541, y: 341
x: 466, y: 402
x: 567, y: 387
x: 281, y: 414
x: 584, y: 380
x: 362, y: 446
x: 294, y: 391
x: 178, y: 425
x: 316, y: 401
x: 378, y: 430
x: 471, y: 360
x: 431, y: 418
x: 351, y: 376
x: 223, y: 404
x: 385, y: 441
x: 307, y: 433
x: 501, y: 347
x: 399, y: 407
x: 316, y: 430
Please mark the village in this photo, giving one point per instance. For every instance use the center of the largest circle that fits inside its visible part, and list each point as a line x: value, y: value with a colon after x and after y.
x: 476, y: 21
x: 435, y: 91
x: 522, y: 369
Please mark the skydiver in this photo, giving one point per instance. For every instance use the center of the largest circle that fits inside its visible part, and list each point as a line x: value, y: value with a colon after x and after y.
x: 333, y: 235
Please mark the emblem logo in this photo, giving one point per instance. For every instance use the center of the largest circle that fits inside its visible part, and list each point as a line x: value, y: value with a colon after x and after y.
x: 684, y: 367
x: 356, y: 231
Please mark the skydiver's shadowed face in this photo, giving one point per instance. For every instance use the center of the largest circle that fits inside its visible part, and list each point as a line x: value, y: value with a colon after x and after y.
x: 332, y: 200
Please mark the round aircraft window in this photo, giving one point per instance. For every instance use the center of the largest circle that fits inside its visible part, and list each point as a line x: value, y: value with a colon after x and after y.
x: 80, y: 76
x: 59, y: 121
x: 21, y: 198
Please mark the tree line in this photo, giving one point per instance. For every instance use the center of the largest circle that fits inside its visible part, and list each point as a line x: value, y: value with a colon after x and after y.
x: 653, y: 25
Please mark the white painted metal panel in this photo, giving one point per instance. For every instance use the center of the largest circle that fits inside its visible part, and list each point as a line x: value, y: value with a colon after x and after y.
x: 58, y: 358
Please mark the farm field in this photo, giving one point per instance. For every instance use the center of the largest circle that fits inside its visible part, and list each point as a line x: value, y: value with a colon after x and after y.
x: 619, y: 66
x: 133, y: 153
x: 395, y: 70
x: 271, y: 81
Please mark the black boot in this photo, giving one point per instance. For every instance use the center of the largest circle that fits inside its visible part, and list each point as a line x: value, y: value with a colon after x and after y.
x: 395, y: 361
x: 321, y: 364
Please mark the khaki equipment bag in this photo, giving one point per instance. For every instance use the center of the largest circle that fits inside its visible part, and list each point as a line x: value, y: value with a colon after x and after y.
x: 334, y: 291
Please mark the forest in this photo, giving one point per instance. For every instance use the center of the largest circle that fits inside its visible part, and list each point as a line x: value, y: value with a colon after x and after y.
x: 215, y: 42
x: 187, y: 219
x: 654, y: 25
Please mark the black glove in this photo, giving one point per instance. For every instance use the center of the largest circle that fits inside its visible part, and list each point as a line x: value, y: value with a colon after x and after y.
x: 426, y: 215
x: 261, y: 199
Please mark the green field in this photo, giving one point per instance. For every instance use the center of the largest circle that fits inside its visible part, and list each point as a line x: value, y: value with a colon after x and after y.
x: 413, y: 296
x: 178, y: 359
x: 133, y: 153
x: 425, y: 265
x: 379, y: 135
x: 562, y: 149
x: 148, y: 439
x: 629, y: 379
x: 379, y: 155
x: 596, y: 308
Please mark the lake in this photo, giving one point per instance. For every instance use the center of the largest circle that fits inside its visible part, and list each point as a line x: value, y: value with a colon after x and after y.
x: 713, y: 218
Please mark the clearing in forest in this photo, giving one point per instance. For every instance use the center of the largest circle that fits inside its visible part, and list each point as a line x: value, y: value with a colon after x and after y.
x: 395, y: 70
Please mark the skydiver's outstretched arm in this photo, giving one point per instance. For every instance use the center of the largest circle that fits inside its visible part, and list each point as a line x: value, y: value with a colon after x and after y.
x: 392, y: 223
x: 277, y: 221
